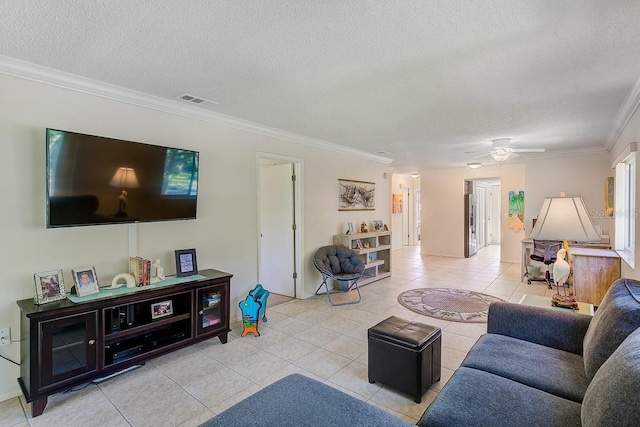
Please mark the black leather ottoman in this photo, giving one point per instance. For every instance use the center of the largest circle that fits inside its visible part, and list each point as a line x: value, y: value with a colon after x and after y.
x: 405, y: 355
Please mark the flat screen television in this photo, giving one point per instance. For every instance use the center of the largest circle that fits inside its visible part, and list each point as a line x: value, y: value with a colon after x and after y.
x: 94, y: 180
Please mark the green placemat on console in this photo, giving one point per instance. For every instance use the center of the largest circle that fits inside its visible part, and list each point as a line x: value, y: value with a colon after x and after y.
x: 108, y: 293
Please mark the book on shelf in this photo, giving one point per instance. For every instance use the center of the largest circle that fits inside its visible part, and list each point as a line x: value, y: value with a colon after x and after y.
x: 212, y: 299
x: 140, y: 269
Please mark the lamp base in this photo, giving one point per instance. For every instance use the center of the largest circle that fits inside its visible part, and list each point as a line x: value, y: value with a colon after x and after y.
x: 564, y: 301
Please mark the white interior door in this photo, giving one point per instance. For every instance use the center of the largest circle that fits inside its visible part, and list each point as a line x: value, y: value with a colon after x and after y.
x: 277, y: 262
x: 481, y: 218
x: 407, y: 217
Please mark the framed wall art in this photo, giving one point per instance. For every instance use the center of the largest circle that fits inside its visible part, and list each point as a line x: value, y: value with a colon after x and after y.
x: 86, y: 281
x: 161, y: 309
x: 609, y: 191
x: 186, y: 264
x: 48, y: 287
x: 397, y: 203
x: 356, y: 195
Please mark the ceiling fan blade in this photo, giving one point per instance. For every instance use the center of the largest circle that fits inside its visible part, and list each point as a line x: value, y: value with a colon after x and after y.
x: 483, y: 155
x: 527, y: 150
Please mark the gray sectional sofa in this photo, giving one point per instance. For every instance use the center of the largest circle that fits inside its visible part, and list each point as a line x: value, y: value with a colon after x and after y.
x: 535, y: 366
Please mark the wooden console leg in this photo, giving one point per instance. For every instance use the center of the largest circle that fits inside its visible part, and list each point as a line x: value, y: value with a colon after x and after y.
x: 223, y: 338
x: 37, y: 406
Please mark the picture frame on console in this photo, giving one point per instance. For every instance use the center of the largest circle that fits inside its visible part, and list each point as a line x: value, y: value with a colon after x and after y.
x: 86, y: 281
x: 186, y: 262
x: 48, y: 287
x: 161, y: 309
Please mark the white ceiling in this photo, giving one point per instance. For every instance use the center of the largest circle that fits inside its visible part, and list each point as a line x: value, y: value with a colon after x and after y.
x: 425, y: 81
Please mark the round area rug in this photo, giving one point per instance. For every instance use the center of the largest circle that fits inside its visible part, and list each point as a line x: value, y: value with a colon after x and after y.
x: 457, y: 305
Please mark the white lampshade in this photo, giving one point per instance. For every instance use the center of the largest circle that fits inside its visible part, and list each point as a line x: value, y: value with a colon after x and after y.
x: 474, y: 165
x: 125, y: 178
x: 564, y: 218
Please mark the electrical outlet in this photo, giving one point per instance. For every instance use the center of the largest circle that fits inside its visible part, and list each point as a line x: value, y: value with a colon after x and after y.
x: 5, y: 336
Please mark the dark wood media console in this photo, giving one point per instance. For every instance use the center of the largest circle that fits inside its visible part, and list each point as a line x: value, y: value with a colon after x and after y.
x: 66, y: 344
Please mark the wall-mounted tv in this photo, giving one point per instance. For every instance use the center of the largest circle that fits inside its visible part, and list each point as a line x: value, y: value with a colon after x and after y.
x: 95, y: 180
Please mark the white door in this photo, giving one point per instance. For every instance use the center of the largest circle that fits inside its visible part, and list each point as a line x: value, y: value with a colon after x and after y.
x: 407, y: 217
x: 277, y: 263
x: 481, y: 216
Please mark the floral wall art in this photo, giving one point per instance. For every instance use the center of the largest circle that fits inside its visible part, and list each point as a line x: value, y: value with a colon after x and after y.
x: 356, y: 195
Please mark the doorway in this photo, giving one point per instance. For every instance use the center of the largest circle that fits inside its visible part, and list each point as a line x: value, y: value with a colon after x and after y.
x: 486, y: 198
x: 278, y: 219
x: 411, y: 216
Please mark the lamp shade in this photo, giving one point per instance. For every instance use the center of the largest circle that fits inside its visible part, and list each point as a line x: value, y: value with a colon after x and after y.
x: 564, y: 218
x: 125, y: 178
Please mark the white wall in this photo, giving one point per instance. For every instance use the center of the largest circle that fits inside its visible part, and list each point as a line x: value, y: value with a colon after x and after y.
x: 578, y: 176
x: 225, y: 233
x: 443, y: 209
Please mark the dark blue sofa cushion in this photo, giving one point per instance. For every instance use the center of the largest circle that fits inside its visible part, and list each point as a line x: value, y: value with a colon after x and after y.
x: 561, y: 329
x: 548, y: 369
x: 617, y: 316
x: 613, y: 397
x: 477, y: 398
x: 296, y: 401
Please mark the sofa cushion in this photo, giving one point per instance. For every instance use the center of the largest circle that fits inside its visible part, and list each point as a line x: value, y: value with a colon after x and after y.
x: 613, y: 397
x: 548, y: 369
x: 478, y: 398
x: 296, y: 401
x: 617, y: 316
x: 539, y: 325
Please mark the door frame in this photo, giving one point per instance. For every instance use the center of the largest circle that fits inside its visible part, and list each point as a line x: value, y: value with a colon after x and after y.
x: 490, y: 184
x: 298, y: 203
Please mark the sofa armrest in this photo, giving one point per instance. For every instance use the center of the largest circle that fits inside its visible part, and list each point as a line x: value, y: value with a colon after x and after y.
x: 564, y: 330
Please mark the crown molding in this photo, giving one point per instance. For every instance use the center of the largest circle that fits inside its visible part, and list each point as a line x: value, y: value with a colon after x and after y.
x: 36, y: 73
x: 625, y: 113
x: 581, y: 151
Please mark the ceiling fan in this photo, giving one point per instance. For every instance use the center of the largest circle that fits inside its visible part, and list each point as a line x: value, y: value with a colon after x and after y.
x: 502, y: 150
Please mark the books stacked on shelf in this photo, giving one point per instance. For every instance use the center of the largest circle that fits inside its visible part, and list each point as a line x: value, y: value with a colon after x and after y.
x: 209, y: 319
x: 140, y: 269
x: 211, y: 299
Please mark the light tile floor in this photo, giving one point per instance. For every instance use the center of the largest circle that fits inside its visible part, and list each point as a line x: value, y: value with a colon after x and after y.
x: 189, y: 386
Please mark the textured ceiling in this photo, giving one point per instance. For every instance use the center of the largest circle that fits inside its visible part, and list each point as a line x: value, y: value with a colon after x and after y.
x: 423, y: 80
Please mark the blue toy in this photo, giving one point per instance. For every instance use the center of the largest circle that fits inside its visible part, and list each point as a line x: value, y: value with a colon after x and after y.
x: 253, y: 308
x: 261, y: 294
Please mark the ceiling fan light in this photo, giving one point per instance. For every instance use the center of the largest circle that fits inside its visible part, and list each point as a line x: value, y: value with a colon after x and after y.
x: 500, y: 157
x: 474, y: 165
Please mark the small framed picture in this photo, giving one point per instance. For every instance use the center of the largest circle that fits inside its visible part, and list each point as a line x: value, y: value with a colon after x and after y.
x: 48, y: 287
x: 350, y: 229
x: 161, y: 309
x: 377, y: 225
x: 186, y: 264
x: 86, y: 281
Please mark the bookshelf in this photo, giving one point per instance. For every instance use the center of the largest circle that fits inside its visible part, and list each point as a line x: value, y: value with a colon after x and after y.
x: 374, y: 248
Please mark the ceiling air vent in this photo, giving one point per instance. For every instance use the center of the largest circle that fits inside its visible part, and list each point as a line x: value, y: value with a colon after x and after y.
x: 185, y: 97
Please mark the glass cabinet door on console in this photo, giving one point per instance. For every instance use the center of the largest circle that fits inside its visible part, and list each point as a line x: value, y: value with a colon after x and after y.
x: 212, y: 314
x: 68, y: 348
